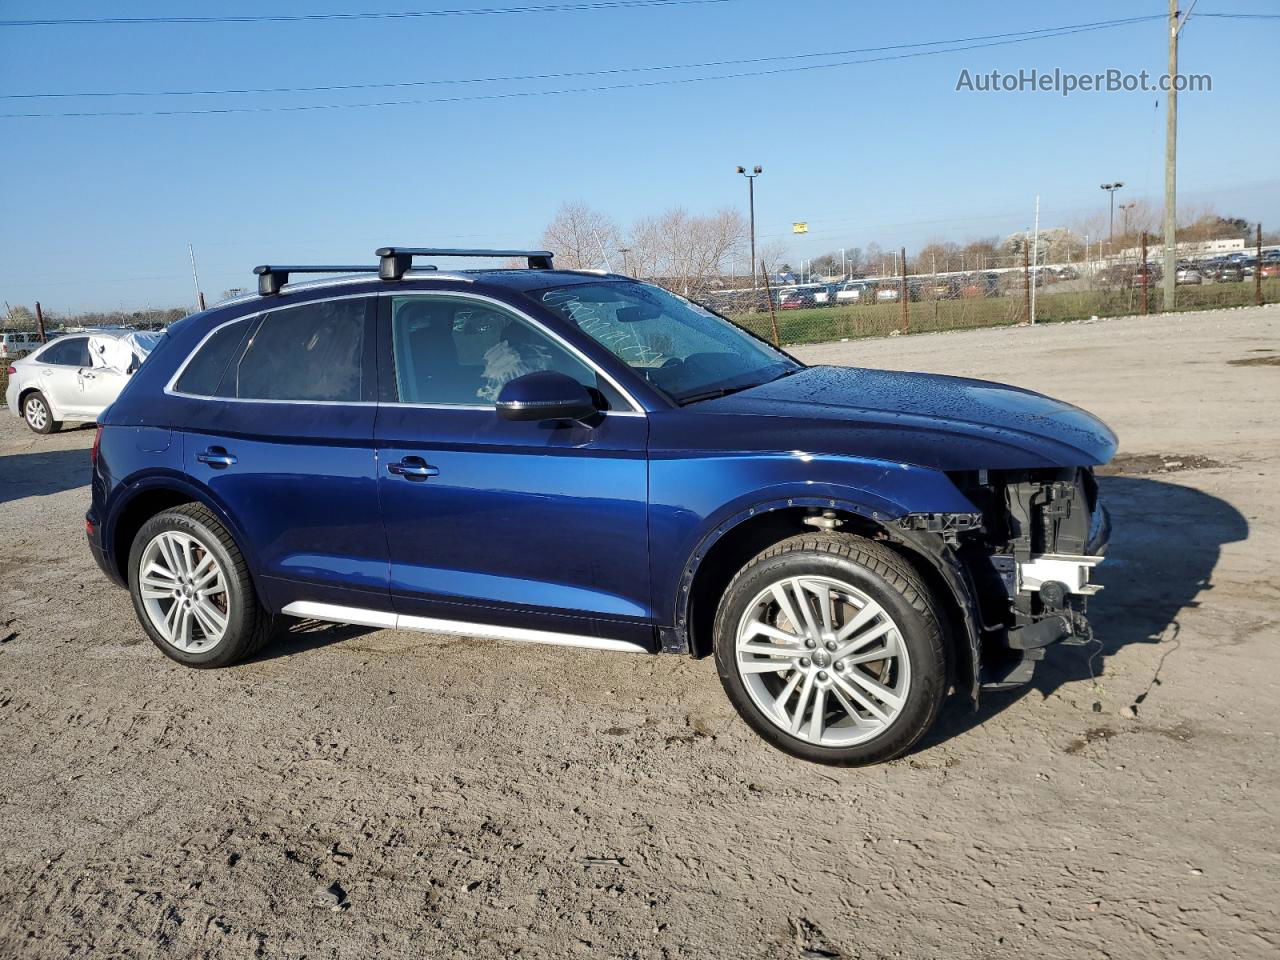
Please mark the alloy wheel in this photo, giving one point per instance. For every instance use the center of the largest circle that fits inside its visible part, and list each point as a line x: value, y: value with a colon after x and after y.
x: 184, y: 592
x: 37, y: 413
x: 823, y: 661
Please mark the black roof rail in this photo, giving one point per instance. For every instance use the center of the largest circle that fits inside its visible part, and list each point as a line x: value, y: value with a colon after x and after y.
x: 394, y: 262
x: 271, y: 279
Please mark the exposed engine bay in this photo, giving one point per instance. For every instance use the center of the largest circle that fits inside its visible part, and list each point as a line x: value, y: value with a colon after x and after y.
x: 1030, y: 559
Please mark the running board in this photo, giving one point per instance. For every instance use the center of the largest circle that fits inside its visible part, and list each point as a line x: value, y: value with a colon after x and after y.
x: 376, y: 618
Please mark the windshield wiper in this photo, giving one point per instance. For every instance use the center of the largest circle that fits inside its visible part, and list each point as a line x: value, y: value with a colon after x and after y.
x: 714, y: 394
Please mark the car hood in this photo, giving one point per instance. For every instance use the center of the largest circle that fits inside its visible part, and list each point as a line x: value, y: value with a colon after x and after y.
x: 925, y: 419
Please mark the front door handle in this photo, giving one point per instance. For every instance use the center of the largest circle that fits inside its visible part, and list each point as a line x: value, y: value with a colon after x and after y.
x: 216, y: 457
x: 413, y: 468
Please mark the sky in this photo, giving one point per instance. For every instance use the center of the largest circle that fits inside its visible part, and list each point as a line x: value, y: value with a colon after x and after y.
x: 99, y: 210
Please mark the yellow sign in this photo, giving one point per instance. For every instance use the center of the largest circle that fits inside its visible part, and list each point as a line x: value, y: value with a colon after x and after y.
x: 799, y: 227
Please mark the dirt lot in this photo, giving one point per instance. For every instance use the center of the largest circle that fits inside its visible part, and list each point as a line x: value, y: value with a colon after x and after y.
x: 375, y: 794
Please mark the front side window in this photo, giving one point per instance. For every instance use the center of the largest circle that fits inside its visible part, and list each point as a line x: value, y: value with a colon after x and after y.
x: 685, y: 351
x: 312, y: 352
x: 69, y: 353
x: 461, y: 352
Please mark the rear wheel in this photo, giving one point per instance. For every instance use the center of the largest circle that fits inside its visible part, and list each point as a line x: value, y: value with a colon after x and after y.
x: 832, y: 649
x: 39, y: 417
x: 192, y: 590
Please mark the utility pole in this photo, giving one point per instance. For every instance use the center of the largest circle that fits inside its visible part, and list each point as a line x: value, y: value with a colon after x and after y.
x: 40, y: 313
x: 625, y: 266
x: 607, y: 265
x: 1171, y: 163
x: 195, y: 277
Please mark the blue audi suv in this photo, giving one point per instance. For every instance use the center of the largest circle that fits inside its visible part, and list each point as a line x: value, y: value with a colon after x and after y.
x: 579, y: 458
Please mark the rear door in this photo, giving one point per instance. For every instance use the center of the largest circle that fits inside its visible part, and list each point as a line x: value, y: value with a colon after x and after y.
x: 279, y: 412
x: 489, y: 521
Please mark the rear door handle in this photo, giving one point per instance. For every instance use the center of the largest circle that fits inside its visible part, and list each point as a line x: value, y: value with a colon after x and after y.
x: 216, y: 457
x: 413, y: 468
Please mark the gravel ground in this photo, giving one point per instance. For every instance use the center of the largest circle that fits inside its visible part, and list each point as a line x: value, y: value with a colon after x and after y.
x: 355, y: 793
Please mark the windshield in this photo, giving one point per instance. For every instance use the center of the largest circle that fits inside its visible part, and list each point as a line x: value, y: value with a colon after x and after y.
x: 685, y: 351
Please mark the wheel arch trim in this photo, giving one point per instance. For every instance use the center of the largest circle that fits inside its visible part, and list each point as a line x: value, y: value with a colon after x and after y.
x: 133, y: 489
x: 928, y: 547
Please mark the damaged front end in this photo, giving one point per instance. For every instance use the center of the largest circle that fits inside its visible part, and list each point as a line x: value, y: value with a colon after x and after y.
x: 1030, y: 563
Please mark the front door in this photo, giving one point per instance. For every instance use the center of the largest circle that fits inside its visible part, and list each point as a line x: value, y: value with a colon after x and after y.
x: 489, y: 521
x: 59, y: 378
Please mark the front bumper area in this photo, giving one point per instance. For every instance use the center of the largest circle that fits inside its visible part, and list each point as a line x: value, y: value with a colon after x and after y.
x: 1046, y: 592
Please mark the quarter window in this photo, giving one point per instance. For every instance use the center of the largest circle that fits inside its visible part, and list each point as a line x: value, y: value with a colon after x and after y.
x: 313, y: 352
x: 204, y: 371
x: 460, y: 352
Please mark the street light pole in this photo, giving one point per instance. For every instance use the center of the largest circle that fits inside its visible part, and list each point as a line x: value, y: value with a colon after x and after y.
x: 1111, y: 189
x: 626, y: 267
x: 751, y: 199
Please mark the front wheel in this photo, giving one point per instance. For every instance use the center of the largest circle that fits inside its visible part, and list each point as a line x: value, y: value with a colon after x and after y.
x: 192, y: 590
x: 35, y: 410
x: 832, y: 649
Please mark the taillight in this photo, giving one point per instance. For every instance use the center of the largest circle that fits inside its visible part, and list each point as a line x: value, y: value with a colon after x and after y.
x: 13, y: 371
x: 97, y: 441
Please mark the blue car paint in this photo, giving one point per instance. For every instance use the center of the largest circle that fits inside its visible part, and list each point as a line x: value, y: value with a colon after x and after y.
x: 584, y: 529
x: 545, y: 517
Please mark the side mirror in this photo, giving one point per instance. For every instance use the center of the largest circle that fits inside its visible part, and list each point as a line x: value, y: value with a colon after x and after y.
x: 545, y: 395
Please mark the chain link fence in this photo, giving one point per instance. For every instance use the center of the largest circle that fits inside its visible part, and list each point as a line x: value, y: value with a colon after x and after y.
x: 914, y: 302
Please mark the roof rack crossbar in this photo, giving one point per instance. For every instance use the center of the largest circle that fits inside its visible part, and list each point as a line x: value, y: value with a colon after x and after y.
x: 272, y: 278
x: 394, y: 262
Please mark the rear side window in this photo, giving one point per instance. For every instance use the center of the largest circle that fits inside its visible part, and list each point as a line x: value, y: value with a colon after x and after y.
x: 204, y: 370
x: 68, y: 353
x: 314, y: 351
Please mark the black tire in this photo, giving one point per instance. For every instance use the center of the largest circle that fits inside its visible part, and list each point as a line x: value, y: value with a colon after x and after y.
x: 884, y: 576
x: 249, y: 624
x: 31, y: 404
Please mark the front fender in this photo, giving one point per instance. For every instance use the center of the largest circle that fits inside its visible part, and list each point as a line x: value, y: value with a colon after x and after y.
x: 694, y: 500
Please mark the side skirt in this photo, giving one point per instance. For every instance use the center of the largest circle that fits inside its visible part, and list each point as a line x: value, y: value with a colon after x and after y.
x: 392, y: 621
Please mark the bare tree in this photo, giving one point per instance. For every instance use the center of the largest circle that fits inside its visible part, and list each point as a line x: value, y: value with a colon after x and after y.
x: 684, y: 251
x: 771, y: 256
x: 582, y: 238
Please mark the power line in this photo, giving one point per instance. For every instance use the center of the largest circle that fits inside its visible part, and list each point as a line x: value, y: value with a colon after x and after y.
x: 586, y: 5
x: 517, y: 94
x: 330, y: 88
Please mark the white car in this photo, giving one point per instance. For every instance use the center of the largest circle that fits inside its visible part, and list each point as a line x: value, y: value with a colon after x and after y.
x: 75, y: 377
x: 851, y: 292
x: 12, y: 344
